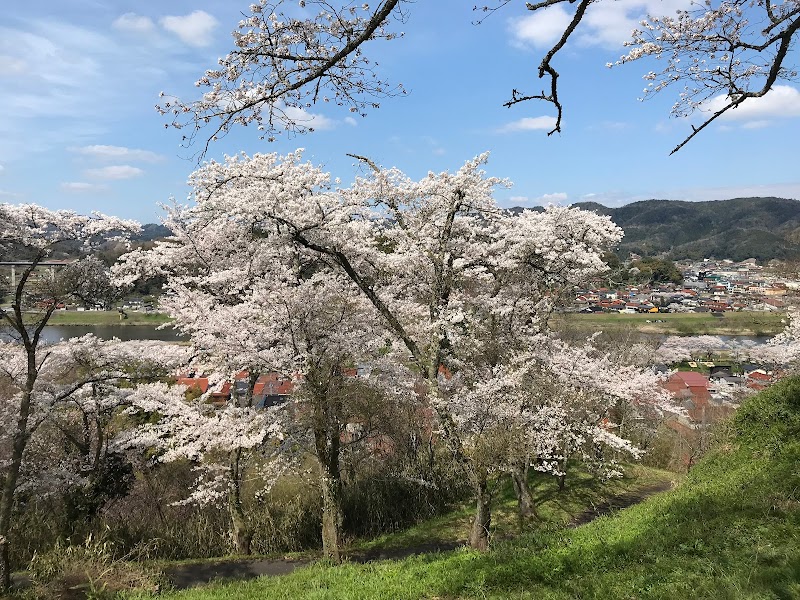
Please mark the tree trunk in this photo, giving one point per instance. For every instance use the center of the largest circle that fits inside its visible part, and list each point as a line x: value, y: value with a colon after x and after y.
x: 5, y: 567
x: 326, y: 387
x: 240, y: 531
x: 525, y: 502
x: 479, y: 536
x: 562, y: 478
x: 241, y: 534
x: 328, y: 444
x: 9, y: 489
x: 12, y: 475
x: 331, y: 514
x: 21, y: 431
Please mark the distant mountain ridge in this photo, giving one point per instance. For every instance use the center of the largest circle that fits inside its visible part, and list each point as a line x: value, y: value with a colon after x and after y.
x: 738, y: 229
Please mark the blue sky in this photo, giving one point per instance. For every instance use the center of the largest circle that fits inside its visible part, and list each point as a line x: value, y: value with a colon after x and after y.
x: 79, y: 80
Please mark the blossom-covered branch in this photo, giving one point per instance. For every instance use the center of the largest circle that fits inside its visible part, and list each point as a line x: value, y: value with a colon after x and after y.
x: 722, y: 54
x: 284, y: 64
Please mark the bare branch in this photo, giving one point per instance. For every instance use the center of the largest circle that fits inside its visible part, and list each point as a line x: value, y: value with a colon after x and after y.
x: 545, y: 68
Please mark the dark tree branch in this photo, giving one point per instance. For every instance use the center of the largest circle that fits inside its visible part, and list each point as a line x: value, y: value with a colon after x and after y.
x: 545, y: 68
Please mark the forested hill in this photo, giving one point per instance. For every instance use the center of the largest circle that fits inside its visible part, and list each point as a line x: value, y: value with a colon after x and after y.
x: 741, y: 228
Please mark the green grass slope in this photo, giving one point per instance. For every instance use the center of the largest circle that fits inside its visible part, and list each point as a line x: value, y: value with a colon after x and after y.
x: 732, y: 530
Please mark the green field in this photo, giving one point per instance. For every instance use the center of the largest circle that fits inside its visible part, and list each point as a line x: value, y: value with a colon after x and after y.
x: 730, y: 531
x: 730, y: 323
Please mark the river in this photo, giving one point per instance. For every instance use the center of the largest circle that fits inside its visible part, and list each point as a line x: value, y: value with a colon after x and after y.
x: 55, y: 333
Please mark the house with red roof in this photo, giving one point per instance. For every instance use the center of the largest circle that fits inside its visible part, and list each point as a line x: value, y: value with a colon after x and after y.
x: 200, y: 383
x: 759, y: 379
x: 693, y: 391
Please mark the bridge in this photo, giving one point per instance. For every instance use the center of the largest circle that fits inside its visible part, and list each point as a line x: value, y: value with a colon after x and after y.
x: 51, y: 264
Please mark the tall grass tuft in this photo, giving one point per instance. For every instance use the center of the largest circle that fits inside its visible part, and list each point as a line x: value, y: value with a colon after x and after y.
x: 88, y: 571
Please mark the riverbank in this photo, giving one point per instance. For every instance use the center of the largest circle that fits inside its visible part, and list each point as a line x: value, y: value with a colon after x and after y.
x: 109, y: 318
x: 733, y: 323
x: 730, y: 323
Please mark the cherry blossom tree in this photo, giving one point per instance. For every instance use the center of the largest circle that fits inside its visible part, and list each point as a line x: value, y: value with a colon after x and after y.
x: 228, y: 445
x: 440, y: 265
x: 485, y: 283
x: 346, y: 367
x: 69, y: 453
x: 33, y: 234
x: 592, y: 384
x: 547, y: 403
x: 783, y: 350
x: 677, y: 348
x: 222, y: 287
x: 80, y: 385
x: 291, y: 56
x: 250, y: 300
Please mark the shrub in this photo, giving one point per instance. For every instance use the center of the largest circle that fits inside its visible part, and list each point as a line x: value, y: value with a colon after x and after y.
x: 88, y: 571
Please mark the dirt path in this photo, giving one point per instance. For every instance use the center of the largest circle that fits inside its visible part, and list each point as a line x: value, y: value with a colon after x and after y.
x: 193, y: 574
x: 619, y: 502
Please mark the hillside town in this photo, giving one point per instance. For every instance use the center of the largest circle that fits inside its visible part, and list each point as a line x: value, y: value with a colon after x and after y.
x: 707, y: 286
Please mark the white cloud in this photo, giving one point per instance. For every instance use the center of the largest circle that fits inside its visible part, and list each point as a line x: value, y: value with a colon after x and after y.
x: 781, y: 101
x: 610, y: 24
x: 756, y: 124
x: 2, y: 168
x: 115, y: 172
x: 604, y: 24
x: 81, y: 78
x: 778, y: 190
x: 610, y: 126
x: 435, y: 145
x: 543, y: 200
x: 615, y: 198
x: 134, y: 23
x: 307, y: 119
x: 104, y: 152
x: 7, y: 194
x: 528, y: 124
x: 351, y: 121
x: 555, y: 198
x: 541, y: 28
x: 11, y: 65
x: 82, y: 186
x: 59, y: 65
x: 193, y: 29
